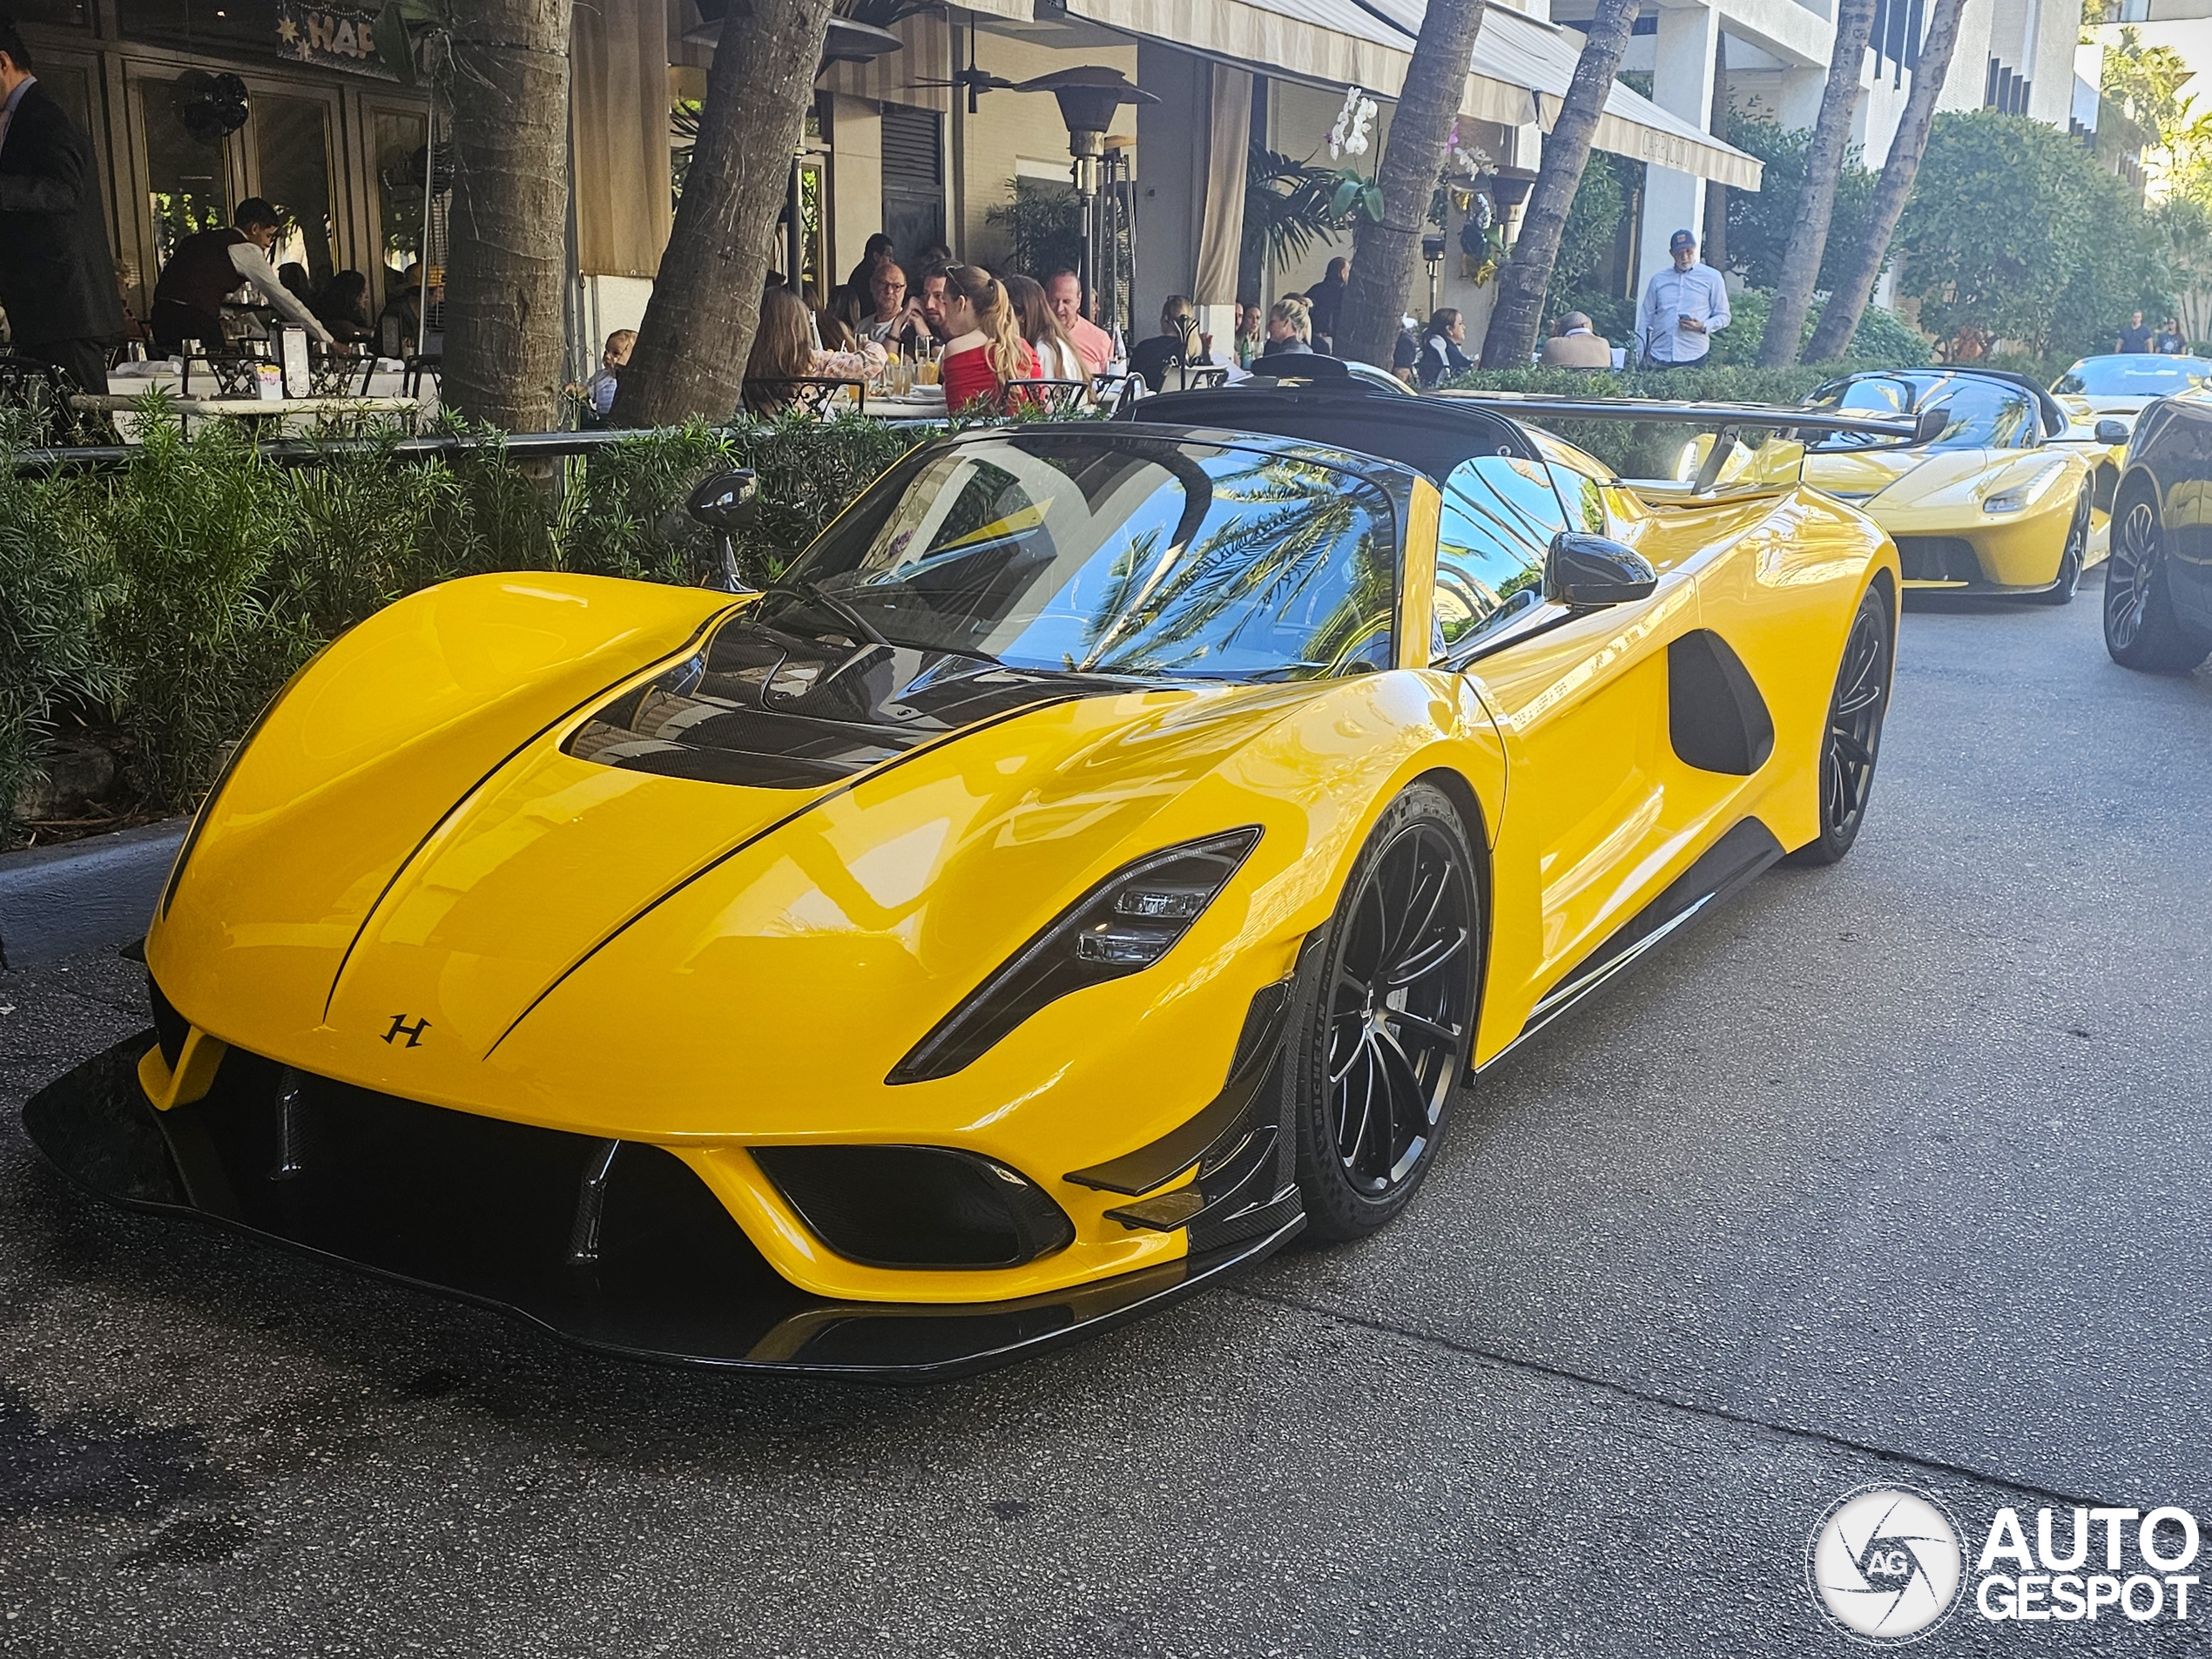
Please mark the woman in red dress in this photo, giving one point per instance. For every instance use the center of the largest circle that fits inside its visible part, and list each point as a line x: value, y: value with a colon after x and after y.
x: 986, y: 350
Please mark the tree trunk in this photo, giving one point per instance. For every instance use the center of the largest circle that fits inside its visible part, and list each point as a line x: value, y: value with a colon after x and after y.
x: 1520, y: 309
x: 1847, y: 304
x: 1385, y: 257
x: 697, y: 332
x: 1824, y: 172
x: 1715, y: 237
x: 509, y: 214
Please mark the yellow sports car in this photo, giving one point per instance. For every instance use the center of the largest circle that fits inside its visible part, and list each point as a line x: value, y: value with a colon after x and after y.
x: 1997, y: 503
x: 1104, y: 854
x: 2120, y: 385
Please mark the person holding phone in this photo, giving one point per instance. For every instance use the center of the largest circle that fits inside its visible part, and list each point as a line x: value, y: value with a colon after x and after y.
x: 1684, y: 306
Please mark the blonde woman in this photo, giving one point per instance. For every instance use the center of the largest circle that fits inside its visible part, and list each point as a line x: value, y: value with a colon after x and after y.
x: 1290, y: 327
x: 1056, y: 353
x: 986, y: 351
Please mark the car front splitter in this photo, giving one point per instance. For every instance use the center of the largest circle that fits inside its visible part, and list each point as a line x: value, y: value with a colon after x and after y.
x: 483, y: 1211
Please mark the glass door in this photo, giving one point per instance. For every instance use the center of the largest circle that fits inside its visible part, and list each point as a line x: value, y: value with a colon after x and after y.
x: 292, y: 158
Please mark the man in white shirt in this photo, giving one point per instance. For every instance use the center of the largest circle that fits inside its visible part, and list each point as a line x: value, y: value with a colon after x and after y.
x: 203, y: 270
x: 1683, y: 306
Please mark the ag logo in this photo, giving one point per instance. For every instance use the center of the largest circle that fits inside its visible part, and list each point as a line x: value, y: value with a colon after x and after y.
x: 1884, y: 1564
x: 402, y: 1028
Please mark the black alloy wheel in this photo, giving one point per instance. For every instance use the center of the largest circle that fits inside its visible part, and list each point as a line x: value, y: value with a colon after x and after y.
x: 2141, y: 629
x: 1853, y: 739
x: 1385, y: 1016
x: 2073, y: 557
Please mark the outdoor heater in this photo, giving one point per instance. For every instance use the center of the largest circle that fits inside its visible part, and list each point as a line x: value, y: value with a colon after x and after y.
x: 1089, y: 97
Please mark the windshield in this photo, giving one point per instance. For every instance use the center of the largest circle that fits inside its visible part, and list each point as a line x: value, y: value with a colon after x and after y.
x: 2135, y: 375
x: 1116, y: 553
x: 1985, y: 415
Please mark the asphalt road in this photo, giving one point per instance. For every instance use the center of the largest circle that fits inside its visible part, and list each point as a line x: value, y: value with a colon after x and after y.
x: 1893, y: 1173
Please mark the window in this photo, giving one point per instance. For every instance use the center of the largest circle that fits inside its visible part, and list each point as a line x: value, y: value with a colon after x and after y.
x: 1500, y: 514
x: 1117, y: 555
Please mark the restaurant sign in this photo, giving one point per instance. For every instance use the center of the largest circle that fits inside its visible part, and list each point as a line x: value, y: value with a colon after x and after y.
x: 330, y: 38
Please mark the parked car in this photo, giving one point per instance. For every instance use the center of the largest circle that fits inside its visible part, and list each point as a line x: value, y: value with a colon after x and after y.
x: 1089, y: 866
x: 1996, y: 503
x: 2158, y: 589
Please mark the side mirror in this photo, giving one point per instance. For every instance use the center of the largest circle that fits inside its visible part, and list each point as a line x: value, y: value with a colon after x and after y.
x: 723, y: 501
x: 1931, y: 425
x: 1583, y: 570
x: 2112, y: 431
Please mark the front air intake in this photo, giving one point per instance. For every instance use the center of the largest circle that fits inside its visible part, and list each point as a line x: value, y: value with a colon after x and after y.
x: 917, y: 1206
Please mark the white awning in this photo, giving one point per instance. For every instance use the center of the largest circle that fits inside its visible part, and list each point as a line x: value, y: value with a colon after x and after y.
x: 1519, y: 74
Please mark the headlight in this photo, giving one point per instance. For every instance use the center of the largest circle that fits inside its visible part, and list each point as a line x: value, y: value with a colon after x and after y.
x: 1124, y: 924
x: 2021, y: 496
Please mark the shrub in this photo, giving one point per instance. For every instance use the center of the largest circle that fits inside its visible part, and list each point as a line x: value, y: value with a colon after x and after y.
x: 174, y: 597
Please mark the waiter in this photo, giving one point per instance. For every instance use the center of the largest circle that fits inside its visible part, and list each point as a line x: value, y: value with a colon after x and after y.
x: 1684, y: 306
x: 207, y: 268
x: 56, y: 281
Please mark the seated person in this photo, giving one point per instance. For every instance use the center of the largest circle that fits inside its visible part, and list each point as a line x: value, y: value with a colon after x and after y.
x: 1577, y: 344
x: 343, y: 307
x: 1290, y: 327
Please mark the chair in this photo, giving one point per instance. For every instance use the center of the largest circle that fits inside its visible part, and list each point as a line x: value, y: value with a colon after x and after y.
x: 1049, y: 397
x: 1203, y: 378
x: 430, y: 363
x: 816, y: 396
x: 223, y: 374
x: 37, y: 388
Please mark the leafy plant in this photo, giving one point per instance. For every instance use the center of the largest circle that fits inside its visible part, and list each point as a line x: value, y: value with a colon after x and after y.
x: 2006, y: 219
x: 1042, y: 223
x: 1759, y: 222
x: 1288, y: 207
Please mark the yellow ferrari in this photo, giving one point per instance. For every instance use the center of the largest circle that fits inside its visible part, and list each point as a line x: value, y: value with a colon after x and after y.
x: 1998, y: 502
x: 1105, y: 853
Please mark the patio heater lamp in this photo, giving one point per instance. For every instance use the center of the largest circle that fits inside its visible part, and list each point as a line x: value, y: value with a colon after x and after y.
x: 1089, y: 96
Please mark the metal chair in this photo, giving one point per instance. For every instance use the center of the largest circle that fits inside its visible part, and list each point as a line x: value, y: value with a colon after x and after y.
x: 1050, y: 397
x: 223, y: 373
x: 1198, y: 378
x: 816, y: 396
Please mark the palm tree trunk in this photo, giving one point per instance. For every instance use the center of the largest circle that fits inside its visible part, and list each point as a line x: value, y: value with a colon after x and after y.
x: 1385, y: 256
x: 509, y: 211
x: 1847, y: 304
x: 1824, y: 171
x: 1715, y: 237
x: 1519, y: 311
x: 698, y: 331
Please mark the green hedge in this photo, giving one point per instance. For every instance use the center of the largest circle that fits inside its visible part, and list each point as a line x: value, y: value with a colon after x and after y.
x: 159, y: 606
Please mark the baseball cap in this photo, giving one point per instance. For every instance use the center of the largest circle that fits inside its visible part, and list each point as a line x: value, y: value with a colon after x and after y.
x: 1681, y: 239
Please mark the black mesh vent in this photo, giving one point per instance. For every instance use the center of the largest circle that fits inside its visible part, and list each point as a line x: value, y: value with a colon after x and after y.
x: 1937, y: 558
x: 917, y: 1206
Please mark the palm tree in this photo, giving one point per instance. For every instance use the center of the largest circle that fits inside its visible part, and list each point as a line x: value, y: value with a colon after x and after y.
x: 1387, y: 251
x: 1519, y: 311
x: 1824, y: 171
x: 699, y: 326
x: 1848, y: 303
x: 510, y: 210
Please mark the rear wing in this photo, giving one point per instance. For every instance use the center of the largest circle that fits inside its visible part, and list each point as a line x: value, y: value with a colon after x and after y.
x: 1728, y: 424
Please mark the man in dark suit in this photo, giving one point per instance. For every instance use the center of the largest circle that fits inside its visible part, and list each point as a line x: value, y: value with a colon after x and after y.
x: 56, y: 276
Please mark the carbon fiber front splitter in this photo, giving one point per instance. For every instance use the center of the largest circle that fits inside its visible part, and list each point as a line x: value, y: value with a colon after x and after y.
x: 486, y: 1211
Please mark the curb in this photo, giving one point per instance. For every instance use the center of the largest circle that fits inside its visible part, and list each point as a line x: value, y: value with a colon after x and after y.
x: 57, y: 901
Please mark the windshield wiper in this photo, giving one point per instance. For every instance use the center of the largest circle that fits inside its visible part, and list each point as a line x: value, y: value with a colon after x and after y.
x: 799, y: 588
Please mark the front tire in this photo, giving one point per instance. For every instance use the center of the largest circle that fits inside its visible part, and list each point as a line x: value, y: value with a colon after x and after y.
x: 1385, y: 1015
x: 2073, y: 559
x: 2141, y: 629
x: 1853, y: 739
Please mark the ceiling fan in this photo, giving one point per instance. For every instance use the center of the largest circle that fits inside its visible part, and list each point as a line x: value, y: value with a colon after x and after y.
x: 977, y: 81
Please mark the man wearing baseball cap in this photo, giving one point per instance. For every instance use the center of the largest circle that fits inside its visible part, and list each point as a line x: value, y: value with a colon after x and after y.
x: 1683, y: 306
